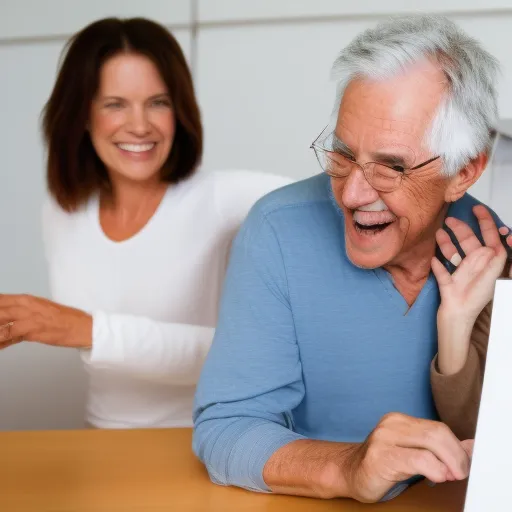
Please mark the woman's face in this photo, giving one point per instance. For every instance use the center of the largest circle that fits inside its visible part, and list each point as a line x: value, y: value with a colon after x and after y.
x: 131, y: 121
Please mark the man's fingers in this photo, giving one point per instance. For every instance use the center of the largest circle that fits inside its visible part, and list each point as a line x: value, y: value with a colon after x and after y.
x: 464, y: 234
x: 425, y: 463
x: 468, y: 446
x: 447, y: 448
x: 438, y: 439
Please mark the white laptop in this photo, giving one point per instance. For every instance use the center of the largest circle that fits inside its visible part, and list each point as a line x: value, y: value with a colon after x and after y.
x: 490, y: 482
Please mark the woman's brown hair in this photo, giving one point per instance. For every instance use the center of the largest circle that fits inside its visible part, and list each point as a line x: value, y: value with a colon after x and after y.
x: 74, y: 171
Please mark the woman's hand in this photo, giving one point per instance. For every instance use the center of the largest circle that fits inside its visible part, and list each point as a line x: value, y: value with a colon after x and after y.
x: 466, y: 292
x: 29, y: 318
x: 471, y: 287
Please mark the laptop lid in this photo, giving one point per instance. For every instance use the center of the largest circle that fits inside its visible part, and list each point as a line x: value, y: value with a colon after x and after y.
x: 489, y: 485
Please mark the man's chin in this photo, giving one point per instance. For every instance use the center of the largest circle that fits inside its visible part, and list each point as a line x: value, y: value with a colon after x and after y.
x: 368, y: 260
x: 364, y: 263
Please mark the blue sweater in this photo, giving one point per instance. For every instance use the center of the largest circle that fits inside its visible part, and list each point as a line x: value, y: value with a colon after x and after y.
x: 307, y: 344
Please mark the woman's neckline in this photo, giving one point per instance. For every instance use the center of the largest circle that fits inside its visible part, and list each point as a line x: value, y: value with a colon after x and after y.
x: 139, y: 234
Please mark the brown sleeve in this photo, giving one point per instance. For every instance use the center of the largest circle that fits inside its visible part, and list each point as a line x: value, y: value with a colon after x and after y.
x: 457, y: 397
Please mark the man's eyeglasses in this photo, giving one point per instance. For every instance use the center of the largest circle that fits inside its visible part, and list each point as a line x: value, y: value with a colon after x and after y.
x: 382, y: 177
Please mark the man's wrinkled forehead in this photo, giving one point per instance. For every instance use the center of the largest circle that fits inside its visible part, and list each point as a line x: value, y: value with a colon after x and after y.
x: 403, y: 105
x: 370, y: 133
x: 351, y: 114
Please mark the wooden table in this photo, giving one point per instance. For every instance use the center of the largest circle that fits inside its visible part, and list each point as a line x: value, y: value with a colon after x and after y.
x: 152, y: 471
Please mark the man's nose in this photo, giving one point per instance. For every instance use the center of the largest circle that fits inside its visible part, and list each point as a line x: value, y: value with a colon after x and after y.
x: 357, y: 191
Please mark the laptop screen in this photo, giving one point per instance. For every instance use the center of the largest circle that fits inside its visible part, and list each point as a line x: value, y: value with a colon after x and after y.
x: 490, y: 485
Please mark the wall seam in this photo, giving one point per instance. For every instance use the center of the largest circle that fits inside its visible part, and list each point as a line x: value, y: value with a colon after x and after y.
x: 194, y: 33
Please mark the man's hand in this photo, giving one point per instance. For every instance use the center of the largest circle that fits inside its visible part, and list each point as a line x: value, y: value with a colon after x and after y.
x: 29, y: 318
x: 401, y: 447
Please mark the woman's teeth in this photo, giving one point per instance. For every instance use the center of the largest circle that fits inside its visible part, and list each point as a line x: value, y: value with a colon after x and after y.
x: 136, y: 148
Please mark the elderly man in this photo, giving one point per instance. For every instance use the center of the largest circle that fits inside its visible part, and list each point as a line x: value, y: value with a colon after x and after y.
x: 317, y: 383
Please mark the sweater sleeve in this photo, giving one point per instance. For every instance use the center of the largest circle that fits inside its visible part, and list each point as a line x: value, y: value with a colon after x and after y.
x: 252, y: 378
x: 457, y: 397
x: 158, y: 351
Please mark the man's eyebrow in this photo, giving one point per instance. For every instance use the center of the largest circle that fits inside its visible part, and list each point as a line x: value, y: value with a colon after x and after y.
x: 339, y: 146
x: 379, y: 156
x: 389, y: 159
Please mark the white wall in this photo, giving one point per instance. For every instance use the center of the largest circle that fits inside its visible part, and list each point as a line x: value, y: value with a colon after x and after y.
x: 262, y: 76
x: 274, y: 76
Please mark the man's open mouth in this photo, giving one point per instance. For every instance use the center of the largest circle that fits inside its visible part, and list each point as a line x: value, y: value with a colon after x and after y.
x: 369, y: 229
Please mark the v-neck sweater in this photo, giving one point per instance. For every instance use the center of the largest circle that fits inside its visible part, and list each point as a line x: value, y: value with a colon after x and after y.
x: 308, y: 345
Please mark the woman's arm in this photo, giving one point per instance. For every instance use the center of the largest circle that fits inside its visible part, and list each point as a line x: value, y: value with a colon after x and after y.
x: 146, y: 349
x: 136, y: 345
x: 463, y: 319
x: 457, y: 393
x: 165, y: 352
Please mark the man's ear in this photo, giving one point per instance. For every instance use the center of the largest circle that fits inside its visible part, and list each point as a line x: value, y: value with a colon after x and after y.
x: 466, y: 177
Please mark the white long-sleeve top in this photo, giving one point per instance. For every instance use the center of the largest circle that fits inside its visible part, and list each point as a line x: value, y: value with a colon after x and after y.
x: 154, y: 297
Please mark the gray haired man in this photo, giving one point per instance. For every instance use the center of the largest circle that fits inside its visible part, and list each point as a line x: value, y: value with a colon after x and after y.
x: 318, y: 380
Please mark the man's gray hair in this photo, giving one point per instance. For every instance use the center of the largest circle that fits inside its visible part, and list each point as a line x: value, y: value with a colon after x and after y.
x: 467, y: 115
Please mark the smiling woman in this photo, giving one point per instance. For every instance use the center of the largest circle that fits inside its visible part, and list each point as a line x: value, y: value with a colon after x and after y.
x: 121, y: 82
x: 136, y: 237
x: 133, y: 133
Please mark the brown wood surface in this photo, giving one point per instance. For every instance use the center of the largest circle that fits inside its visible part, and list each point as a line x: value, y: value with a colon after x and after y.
x: 152, y: 471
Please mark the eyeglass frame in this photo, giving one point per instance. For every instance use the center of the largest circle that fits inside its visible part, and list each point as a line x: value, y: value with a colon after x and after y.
x: 315, y: 147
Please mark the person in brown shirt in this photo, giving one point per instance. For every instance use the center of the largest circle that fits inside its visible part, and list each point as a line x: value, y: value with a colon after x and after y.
x: 464, y: 318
